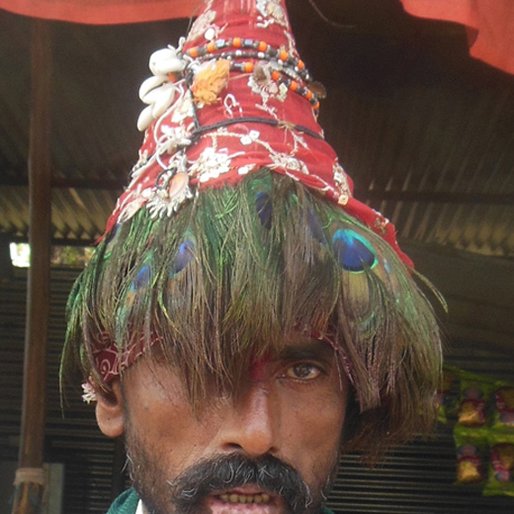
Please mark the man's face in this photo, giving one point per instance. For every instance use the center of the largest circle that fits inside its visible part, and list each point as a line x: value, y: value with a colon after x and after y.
x: 270, y: 449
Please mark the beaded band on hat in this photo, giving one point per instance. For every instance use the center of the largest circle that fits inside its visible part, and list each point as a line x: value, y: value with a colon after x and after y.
x: 277, y: 75
x: 293, y: 85
x: 251, y: 54
x: 294, y: 69
x: 264, y: 49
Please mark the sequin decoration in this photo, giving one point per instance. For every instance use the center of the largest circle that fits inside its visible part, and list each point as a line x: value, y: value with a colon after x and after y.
x: 353, y: 252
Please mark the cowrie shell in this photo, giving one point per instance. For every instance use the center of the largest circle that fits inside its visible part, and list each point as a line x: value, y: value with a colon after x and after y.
x: 165, y: 61
x: 149, y: 84
x: 163, y: 98
x: 145, y: 119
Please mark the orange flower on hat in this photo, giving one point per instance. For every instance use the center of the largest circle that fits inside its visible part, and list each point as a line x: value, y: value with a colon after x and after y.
x: 210, y: 80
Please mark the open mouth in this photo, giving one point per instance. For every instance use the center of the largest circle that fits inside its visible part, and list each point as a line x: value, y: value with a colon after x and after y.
x: 245, y: 501
x: 259, y: 498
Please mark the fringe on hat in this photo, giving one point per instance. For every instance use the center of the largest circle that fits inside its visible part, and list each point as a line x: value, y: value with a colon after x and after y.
x: 238, y: 268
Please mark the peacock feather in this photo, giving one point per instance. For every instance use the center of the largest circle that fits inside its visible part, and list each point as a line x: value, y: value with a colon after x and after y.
x: 225, y: 279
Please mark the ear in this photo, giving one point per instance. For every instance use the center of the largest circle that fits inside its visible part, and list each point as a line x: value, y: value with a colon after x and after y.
x: 110, y: 412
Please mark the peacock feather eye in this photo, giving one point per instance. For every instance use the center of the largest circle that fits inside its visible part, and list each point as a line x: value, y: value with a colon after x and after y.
x: 142, y: 277
x: 264, y: 208
x: 353, y: 251
x: 184, y: 256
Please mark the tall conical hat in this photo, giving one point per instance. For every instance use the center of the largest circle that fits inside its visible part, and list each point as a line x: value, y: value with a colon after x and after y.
x: 233, y: 98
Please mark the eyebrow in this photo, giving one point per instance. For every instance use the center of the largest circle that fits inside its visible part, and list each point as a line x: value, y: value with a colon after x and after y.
x: 302, y: 350
x: 307, y: 350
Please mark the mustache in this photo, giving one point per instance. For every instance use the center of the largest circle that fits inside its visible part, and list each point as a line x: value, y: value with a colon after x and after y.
x: 231, y: 471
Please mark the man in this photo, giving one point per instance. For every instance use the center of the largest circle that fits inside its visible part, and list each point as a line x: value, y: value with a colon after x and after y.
x: 245, y: 319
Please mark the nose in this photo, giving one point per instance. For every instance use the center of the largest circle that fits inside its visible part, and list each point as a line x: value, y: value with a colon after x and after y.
x: 252, y: 423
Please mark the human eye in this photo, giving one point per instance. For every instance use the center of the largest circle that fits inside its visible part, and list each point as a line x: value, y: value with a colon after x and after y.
x: 303, y: 371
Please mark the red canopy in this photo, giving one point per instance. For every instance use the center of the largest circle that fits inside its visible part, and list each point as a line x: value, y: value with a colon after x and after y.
x: 491, y: 21
x: 103, y: 12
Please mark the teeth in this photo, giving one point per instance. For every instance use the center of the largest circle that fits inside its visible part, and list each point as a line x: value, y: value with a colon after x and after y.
x: 245, y: 498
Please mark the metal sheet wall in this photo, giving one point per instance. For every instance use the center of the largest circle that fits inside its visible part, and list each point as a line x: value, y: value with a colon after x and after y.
x: 414, y: 479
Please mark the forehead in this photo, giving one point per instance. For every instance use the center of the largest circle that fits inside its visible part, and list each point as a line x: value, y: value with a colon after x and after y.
x: 157, y: 363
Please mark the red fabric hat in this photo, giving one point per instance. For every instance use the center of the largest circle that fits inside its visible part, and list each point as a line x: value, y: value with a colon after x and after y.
x: 234, y: 98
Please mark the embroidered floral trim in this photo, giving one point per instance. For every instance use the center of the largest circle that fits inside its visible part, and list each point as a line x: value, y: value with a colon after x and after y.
x: 164, y: 201
x: 173, y: 138
x: 288, y: 162
x: 211, y: 164
x: 244, y: 170
x: 343, y: 187
x: 380, y: 223
x: 271, y: 12
x: 203, y: 23
x: 89, y: 393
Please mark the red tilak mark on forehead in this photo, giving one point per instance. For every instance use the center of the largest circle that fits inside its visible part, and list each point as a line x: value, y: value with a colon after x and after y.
x: 258, y: 368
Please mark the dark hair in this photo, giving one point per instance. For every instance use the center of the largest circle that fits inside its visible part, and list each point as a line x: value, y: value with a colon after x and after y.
x: 225, y: 278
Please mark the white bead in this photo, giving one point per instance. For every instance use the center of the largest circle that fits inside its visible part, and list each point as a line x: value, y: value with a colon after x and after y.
x: 210, y: 34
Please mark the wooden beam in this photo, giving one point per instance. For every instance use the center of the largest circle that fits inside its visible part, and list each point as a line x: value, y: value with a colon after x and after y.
x: 30, y: 477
